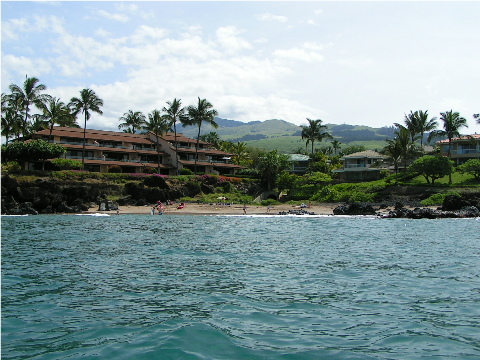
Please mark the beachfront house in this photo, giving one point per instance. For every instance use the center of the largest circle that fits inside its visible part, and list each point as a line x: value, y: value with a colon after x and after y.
x: 362, y: 166
x: 298, y: 163
x: 463, y: 148
x: 134, y: 153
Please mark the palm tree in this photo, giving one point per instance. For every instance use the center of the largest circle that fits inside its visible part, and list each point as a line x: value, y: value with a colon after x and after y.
x: 88, y: 101
x: 406, y: 143
x: 132, y: 121
x: 452, y: 123
x: 12, y: 117
x: 38, y: 122
x: 29, y: 94
x: 158, y: 125
x: 314, y: 131
x: 175, y: 112
x: 411, y: 124
x: 203, y: 112
x: 57, y: 112
x: 336, y: 146
x: 394, y: 152
x: 241, y: 153
x: 424, y: 124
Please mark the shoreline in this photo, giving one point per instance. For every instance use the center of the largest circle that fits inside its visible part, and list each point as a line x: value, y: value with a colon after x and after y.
x: 214, y: 209
x: 234, y: 209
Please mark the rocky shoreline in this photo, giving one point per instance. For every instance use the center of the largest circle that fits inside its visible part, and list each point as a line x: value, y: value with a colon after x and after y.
x: 44, y: 196
x: 452, y: 207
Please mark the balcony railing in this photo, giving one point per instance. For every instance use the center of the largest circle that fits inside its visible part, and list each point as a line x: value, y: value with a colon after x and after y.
x: 111, y: 159
x: 354, y: 165
x: 131, y: 147
x: 464, y: 151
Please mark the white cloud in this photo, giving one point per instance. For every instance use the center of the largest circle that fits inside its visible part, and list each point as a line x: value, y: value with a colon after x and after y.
x: 112, y: 16
x: 102, y: 33
x: 228, y: 39
x: 126, y: 7
x: 309, y: 52
x: 146, y: 33
x: 12, y: 29
x: 22, y: 65
x: 271, y: 17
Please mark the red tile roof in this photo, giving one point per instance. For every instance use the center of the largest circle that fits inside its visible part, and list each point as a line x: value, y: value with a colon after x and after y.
x: 464, y: 137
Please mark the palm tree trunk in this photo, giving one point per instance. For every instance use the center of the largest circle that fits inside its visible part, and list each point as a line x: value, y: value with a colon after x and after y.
x: 176, y: 147
x: 83, y: 148
x: 158, y: 155
x: 196, y: 148
x: 449, y: 157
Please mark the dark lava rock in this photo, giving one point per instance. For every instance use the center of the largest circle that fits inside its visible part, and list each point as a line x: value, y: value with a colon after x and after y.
x: 453, y: 202
x: 354, y: 209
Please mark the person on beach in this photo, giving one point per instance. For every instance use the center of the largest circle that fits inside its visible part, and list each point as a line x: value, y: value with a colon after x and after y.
x: 268, y: 208
x: 244, y: 209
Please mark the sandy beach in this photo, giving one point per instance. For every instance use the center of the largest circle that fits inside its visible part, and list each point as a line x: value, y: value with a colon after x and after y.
x: 214, y: 209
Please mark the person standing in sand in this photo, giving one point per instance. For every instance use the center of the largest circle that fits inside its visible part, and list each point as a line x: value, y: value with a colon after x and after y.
x: 244, y: 209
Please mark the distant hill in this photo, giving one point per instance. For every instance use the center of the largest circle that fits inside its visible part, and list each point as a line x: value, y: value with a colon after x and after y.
x: 286, y: 137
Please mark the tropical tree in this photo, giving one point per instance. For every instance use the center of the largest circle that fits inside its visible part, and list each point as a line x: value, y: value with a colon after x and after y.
x: 271, y: 164
x: 432, y: 167
x: 241, y: 154
x: 314, y: 131
x: 38, y: 122
x: 424, y: 124
x: 406, y: 143
x: 132, y: 121
x: 471, y: 167
x: 11, y: 117
x: 158, y: 124
x: 212, y: 138
x: 411, y: 124
x: 393, y: 152
x: 452, y: 123
x: 86, y: 103
x: 173, y: 113
x: 30, y: 93
x: 197, y: 115
x: 335, y: 146
x: 56, y: 112
x: 32, y: 151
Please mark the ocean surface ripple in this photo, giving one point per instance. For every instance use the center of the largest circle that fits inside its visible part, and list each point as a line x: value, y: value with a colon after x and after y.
x: 239, y: 287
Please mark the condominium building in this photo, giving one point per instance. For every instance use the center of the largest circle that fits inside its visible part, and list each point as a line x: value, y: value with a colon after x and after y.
x: 136, y: 152
x: 463, y: 148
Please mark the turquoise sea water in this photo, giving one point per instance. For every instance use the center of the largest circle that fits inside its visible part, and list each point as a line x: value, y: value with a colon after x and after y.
x: 239, y: 287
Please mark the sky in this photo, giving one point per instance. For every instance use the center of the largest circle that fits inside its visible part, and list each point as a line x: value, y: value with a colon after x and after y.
x: 354, y: 62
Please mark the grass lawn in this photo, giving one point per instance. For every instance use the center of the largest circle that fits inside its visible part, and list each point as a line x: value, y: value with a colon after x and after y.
x: 457, y: 180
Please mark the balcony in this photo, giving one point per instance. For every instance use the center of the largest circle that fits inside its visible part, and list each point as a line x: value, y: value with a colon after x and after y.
x: 350, y: 166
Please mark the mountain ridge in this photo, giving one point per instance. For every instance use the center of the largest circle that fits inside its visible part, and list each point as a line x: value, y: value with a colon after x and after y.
x: 277, y: 134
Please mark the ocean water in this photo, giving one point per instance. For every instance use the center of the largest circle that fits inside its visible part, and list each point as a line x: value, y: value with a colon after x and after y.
x: 239, y: 287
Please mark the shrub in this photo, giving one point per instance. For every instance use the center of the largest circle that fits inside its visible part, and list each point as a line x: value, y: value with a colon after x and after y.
x: 114, y: 169
x: 186, y: 171
x: 270, y: 202
x: 155, y: 181
x: 11, y: 167
x: 437, y: 199
x: 149, y: 170
x: 67, y: 164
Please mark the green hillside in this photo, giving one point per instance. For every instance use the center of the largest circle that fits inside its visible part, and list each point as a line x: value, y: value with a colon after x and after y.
x: 285, y: 137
